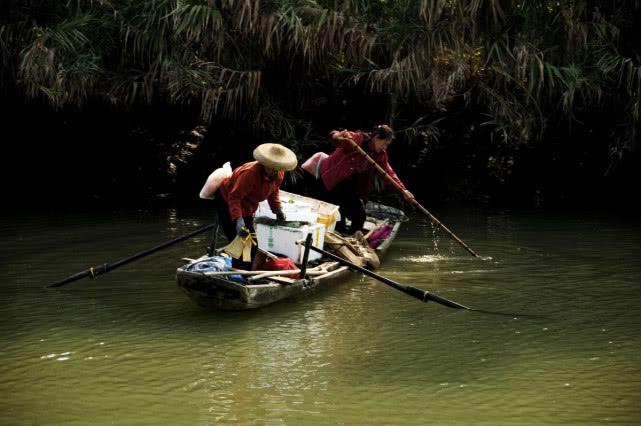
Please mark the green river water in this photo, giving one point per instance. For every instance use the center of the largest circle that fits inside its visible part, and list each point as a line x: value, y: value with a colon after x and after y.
x: 130, y: 348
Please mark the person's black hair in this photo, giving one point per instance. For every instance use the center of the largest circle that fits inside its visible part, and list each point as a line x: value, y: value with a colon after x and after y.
x: 382, y: 131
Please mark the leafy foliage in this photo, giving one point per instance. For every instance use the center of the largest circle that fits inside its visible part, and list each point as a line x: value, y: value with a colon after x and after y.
x: 525, y: 67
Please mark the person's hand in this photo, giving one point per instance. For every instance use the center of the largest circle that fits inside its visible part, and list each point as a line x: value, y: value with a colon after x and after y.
x: 280, y: 216
x: 241, y: 229
x: 342, y: 135
x: 409, y: 197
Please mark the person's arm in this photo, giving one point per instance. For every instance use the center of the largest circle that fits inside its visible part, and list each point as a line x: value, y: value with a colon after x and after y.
x: 337, y: 138
x: 274, y: 197
x: 409, y: 197
x: 388, y: 169
x: 241, y: 187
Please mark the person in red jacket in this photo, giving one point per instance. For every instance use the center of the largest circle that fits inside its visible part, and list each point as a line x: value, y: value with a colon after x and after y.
x: 238, y: 196
x: 346, y: 177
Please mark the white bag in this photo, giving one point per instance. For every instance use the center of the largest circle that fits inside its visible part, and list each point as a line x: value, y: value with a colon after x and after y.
x: 214, y: 180
x: 312, y: 165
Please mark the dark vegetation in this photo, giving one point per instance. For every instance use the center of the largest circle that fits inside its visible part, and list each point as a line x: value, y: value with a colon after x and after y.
x: 495, y: 101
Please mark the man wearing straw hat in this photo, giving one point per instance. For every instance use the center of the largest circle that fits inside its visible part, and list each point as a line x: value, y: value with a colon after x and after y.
x: 238, y: 196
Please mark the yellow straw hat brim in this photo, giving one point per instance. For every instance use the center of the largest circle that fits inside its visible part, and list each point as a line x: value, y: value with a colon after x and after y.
x: 275, y: 156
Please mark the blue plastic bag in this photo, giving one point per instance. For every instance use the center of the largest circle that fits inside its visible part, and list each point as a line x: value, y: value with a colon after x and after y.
x: 215, y: 264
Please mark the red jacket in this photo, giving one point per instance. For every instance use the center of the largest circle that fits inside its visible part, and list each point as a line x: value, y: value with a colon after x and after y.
x: 249, y: 185
x: 346, y: 162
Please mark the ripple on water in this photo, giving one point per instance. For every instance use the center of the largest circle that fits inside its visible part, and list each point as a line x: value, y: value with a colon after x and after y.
x: 361, y: 352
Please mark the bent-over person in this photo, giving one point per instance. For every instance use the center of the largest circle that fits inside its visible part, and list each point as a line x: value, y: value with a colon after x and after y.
x: 237, y: 198
x: 345, y: 177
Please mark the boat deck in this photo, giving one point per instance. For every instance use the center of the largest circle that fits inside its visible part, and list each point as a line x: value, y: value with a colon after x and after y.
x: 220, y: 292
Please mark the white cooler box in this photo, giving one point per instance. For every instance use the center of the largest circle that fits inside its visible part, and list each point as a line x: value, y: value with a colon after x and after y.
x: 282, y: 240
x: 301, y: 208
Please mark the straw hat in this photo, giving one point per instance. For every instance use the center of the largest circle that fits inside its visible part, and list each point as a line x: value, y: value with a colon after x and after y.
x: 275, y: 156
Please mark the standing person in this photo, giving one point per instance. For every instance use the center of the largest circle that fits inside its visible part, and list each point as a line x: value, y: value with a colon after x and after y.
x: 346, y: 177
x: 237, y: 198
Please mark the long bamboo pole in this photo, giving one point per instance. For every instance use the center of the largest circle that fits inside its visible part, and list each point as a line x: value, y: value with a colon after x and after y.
x: 396, y: 186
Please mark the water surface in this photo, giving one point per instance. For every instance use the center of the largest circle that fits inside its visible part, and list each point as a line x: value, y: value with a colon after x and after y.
x: 130, y: 348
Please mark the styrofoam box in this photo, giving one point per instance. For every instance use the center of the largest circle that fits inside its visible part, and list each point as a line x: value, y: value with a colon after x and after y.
x: 282, y: 240
x: 300, y: 215
x: 301, y: 208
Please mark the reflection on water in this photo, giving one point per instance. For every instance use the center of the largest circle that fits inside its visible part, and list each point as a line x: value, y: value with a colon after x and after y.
x: 130, y: 348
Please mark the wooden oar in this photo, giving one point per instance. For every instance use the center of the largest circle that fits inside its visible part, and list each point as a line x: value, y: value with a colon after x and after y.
x: 396, y: 186
x: 106, y: 267
x: 421, y: 295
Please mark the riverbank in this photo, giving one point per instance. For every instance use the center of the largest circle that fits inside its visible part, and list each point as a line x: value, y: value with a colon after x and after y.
x: 161, y: 157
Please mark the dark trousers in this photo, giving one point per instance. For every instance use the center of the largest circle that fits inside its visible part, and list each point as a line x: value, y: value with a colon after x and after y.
x: 224, y: 218
x: 345, y: 195
x: 229, y: 227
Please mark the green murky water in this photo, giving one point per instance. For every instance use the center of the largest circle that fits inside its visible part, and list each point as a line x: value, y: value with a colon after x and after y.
x: 130, y: 348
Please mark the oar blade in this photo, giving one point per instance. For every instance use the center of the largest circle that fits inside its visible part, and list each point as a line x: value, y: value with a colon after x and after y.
x: 443, y: 301
x: 69, y: 279
x: 419, y: 294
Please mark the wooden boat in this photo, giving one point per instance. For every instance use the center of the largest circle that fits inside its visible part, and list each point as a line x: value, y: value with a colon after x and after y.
x: 221, y: 292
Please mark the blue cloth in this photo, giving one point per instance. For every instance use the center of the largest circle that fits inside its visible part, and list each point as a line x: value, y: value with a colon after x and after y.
x: 215, y: 264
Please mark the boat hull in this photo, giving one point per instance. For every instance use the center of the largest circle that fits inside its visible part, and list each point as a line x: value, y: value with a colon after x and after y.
x: 218, y: 292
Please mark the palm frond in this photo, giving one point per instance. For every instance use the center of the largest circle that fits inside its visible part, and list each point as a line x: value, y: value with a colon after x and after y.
x: 61, y: 61
x: 196, y: 22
